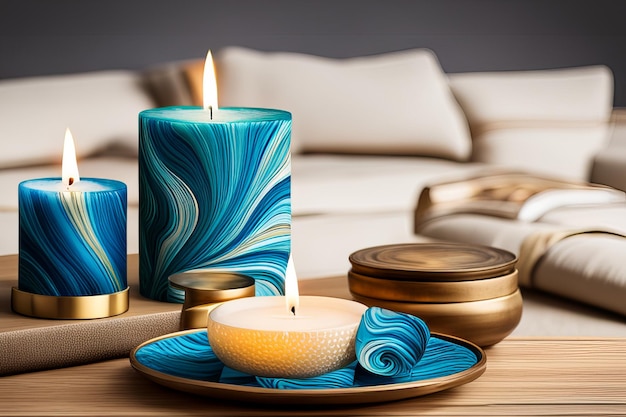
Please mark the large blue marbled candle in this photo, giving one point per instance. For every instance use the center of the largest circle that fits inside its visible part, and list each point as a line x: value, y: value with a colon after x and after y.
x: 214, y: 191
x: 72, y: 240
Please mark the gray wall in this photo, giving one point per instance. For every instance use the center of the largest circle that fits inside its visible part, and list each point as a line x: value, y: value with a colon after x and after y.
x: 60, y: 36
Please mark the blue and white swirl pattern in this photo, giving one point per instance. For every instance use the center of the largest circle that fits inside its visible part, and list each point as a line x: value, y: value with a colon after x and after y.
x: 341, y: 378
x: 72, y: 243
x: 214, y: 194
x: 441, y: 358
x: 190, y: 356
x: 389, y: 343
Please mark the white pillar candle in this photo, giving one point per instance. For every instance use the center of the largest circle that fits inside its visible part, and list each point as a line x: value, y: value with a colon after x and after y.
x: 262, y: 337
x: 285, y: 336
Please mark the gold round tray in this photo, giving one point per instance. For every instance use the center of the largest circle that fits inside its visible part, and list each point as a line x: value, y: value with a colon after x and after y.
x: 484, y: 322
x: 433, y: 261
x: 299, y: 397
x: 432, y: 291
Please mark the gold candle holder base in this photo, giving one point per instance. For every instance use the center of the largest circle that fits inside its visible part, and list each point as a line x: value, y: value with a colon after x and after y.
x: 69, y: 307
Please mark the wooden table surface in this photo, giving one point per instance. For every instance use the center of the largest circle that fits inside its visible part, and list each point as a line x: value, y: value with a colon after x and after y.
x: 524, y: 376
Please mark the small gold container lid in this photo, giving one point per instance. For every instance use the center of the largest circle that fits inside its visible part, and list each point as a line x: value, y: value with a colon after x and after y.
x: 205, y: 289
x: 433, y: 262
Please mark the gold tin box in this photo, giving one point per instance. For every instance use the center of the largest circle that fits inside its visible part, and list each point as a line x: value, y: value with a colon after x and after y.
x: 469, y: 291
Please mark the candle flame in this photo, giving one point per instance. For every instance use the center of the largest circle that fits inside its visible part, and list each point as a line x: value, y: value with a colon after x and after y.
x: 209, y: 85
x: 292, y: 296
x: 69, y: 166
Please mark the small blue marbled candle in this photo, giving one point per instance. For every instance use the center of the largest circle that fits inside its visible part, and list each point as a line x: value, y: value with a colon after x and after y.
x: 72, y: 239
x: 214, y: 193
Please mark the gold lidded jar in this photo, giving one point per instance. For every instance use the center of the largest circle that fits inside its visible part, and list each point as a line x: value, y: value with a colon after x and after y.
x: 469, y: 291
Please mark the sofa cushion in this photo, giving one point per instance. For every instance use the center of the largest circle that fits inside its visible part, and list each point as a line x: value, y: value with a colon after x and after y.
x: 550, y: 121
x: 609, y: 165
x: 325, y: 184
x: 99, y: 108
x: 321, y: 245
x: 565, y: 152
x: 394, y: 103
x: 167, y: 83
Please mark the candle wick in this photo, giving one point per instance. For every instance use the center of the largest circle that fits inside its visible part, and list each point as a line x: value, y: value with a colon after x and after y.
x: 211, y: 112
x: 293, y: 310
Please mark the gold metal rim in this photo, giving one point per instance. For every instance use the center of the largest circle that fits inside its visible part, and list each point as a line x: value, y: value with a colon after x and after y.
x: 447, y: 309
x: 203, y: 287
x: 69, y: 307
x: 431, y: 291
x: 484, y: 322
x: 442, y: 261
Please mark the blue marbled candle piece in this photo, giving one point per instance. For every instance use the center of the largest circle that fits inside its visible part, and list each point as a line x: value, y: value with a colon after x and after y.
x: 441, y: 358
x: 214, y: 194
x: 390, y: 343
x: 72, y: 243
x: 341, y: 378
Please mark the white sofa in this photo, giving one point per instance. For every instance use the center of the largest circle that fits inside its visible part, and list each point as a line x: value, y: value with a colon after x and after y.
x: 369, y: 134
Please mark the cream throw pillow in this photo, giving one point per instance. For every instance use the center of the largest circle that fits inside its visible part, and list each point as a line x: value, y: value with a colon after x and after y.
x: 551, y: 121
x: 394, y: 103
x: 99, y: 108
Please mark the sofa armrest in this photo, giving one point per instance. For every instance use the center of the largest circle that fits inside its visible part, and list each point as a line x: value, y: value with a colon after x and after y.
x: 609, y: 165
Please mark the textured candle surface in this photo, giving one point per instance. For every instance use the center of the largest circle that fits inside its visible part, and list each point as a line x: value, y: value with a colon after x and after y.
x: 72, y: 243
x: 259, y: 336
x: 214, y: 194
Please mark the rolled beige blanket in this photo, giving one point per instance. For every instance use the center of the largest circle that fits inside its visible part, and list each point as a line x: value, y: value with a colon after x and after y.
x: 569, y: 237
